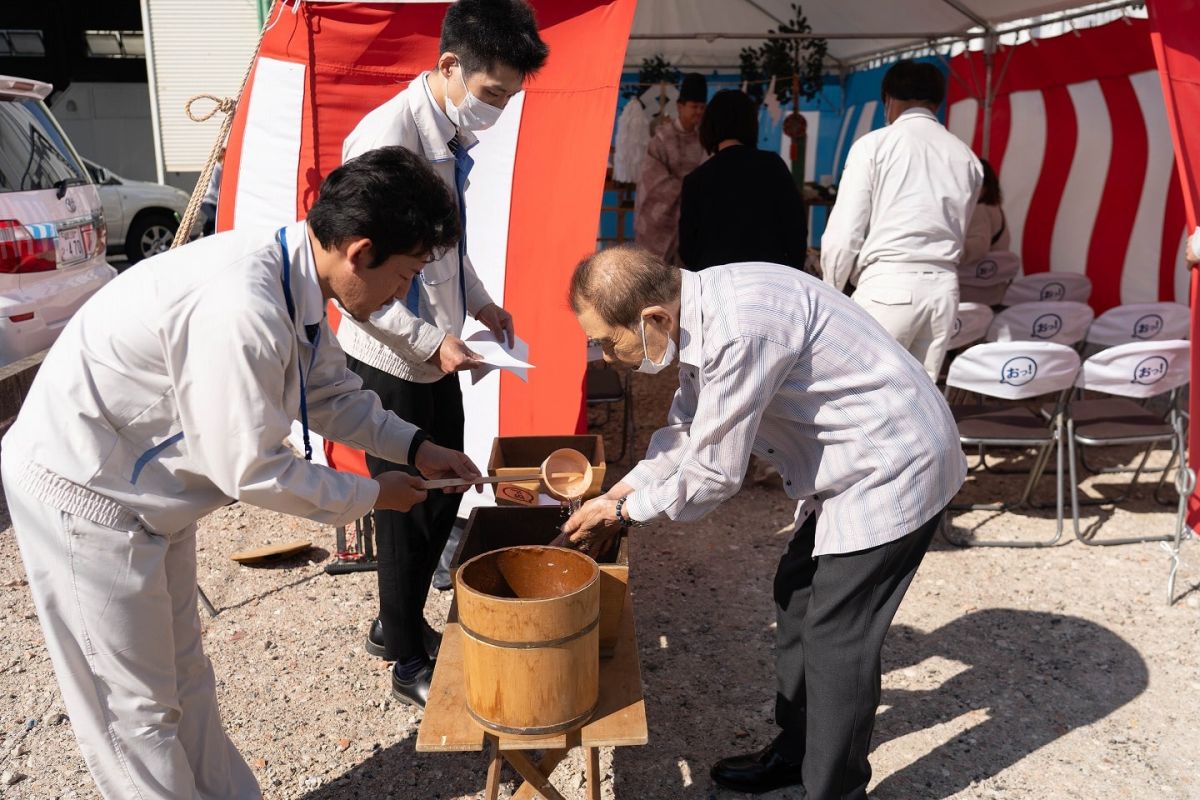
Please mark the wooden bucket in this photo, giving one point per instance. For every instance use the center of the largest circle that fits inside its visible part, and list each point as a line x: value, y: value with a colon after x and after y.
x: 530, y: 623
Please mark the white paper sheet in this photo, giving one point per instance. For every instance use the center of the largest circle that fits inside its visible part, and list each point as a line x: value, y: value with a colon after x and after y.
x: 496, y: 355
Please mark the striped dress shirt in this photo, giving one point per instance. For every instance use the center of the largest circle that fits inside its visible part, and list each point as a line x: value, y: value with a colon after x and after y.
x: 777, y: 364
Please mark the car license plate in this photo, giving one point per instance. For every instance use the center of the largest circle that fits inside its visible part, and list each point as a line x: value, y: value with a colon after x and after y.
x: 71, y: 245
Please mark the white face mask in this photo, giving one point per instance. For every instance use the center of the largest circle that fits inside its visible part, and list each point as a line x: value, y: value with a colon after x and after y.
x: 648, y: 366
x: 472, y: 114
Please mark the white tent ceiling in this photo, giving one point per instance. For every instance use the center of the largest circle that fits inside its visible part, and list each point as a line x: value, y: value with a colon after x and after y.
x: 682, y: 30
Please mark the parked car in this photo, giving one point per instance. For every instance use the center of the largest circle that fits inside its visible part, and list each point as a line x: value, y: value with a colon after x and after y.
x: 52, y: 236
x: 142, y: 217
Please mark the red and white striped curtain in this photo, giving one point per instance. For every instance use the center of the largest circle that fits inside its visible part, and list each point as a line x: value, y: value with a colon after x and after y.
x: 1081, y: 140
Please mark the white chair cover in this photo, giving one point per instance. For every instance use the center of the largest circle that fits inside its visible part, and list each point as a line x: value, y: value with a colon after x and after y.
x: 1015, y: 370
x: 1137, y: 369
x: 1049, y: 286
x: 970, y: 324
x: 1059, y: 322
x: 1140, y: 322
x: 986, y: 280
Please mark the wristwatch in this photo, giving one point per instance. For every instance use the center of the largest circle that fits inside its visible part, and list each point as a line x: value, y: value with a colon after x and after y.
x: 626, y: 522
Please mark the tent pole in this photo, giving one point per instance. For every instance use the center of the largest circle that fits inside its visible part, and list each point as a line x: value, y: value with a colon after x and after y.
x: 989, y: 91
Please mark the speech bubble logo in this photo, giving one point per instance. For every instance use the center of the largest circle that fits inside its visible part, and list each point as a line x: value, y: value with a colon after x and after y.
x: 986, y: 269
x: 1054, y: 291
x: 1147, y: 327
x: 1018, y: 371
x: 1047, y: 326
x: 1150, y: 371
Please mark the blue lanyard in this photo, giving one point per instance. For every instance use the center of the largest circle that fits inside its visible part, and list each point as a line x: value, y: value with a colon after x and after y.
x: 314, y: 337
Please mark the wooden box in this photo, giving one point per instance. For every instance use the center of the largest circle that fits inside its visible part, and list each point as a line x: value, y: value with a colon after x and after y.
x: 493, y: 528
x: 516, y: 454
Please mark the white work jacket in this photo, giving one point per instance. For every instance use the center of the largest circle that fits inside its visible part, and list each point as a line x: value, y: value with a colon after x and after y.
x: 905, y: 200
x: 395, y: 340
x: 172, y: 390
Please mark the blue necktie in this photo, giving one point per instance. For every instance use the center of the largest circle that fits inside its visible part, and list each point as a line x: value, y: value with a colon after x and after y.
x: 462, y: 168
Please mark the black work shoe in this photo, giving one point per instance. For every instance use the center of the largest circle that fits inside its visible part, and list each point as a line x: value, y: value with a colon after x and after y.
x: 375, y: 645
x: 755, y: 773
x: 429, y: 637
x: 416, y: 691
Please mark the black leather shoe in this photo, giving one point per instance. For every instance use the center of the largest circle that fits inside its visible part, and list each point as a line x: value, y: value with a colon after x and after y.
x: 375, y: 644
x: 756, y: 773
x: 416, y: 691
x: 429, y: 637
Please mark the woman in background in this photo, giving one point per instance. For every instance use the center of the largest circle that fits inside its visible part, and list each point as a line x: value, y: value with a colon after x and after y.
x: 988, y: 230
x: 741, y: 204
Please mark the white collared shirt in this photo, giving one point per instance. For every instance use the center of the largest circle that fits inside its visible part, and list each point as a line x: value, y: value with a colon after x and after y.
x: 905, y: 198
x: 395, y: 340
x: 776, y: 364
x: 172, y: 390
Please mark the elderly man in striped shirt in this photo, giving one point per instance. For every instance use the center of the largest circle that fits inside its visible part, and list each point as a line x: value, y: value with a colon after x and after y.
x: 776, y: 364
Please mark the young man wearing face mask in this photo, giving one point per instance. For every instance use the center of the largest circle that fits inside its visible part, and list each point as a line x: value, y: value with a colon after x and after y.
x: 410, y: 353
x: 774, y: 363
x: 903, y: 208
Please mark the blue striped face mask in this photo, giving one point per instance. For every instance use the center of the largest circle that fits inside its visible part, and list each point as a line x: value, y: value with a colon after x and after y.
x: 649, y: 367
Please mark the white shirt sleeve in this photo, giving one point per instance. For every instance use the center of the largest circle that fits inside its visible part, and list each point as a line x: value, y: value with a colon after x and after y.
x: 849, y: 218
x: 1196, y: 243
x: 339, y: 408
x: 668, y: 444
x: 230, y: 389
x: 740, y: 381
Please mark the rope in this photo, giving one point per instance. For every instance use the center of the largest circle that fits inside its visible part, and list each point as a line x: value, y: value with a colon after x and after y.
x: 222, y: 105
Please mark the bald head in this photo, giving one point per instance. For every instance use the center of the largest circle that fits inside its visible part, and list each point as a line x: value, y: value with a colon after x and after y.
x: 618, y: 283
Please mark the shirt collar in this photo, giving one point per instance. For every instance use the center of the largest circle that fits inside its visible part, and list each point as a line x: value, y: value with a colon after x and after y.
x: 306, y: 289
x: 435, y: 128
x: 915, y: 113
x: 691, y: 331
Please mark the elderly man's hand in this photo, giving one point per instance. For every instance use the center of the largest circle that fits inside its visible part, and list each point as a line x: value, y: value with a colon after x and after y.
x: 592, y: 528
x: 1192, y: 256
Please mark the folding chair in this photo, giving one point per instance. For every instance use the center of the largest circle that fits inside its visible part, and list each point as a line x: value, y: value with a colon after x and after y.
x: 1049, y: 286
x: 1128, y: 373
x: 1060, y: 322
x: 1140, y: 322
x: 971, y: 324
x: 985, y: 281
x: 1014, y: 371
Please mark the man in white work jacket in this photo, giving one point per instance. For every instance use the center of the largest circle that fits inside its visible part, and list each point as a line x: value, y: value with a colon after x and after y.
x: 903, y: 208
x: 170, y: 393
x: 410, y: 353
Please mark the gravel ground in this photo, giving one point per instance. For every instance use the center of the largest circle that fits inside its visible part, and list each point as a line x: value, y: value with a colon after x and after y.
x: 1055, y: 673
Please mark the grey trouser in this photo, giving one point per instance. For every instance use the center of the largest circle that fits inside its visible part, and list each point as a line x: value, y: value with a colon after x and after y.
x: 117, y: 606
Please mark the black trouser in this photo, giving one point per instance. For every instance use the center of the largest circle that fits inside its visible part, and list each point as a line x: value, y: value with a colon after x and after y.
x: 833, y: 613
x: 409, y: 543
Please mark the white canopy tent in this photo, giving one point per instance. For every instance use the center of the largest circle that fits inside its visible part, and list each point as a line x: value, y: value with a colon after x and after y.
x: 709, y: 34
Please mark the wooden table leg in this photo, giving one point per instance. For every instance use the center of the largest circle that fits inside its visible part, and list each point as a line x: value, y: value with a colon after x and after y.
x: 492, y: 790
x: 591, y: 757
x: 549, y: 760
x: 530, y: 772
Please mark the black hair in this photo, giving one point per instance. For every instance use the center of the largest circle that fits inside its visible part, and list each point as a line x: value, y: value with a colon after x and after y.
x: 483, y: 33
x: 915, y: 80
x: 390, y: 196
x: 730, y: 115
x: 989, y: 195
